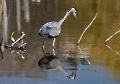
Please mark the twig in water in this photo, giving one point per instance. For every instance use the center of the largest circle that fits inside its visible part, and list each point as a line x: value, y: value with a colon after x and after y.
x: 18, y: 46
x: 87, y: 28
x: 21, y: 55
x: 11, y: 38
x: 22, y: 35
x: 111, y: 36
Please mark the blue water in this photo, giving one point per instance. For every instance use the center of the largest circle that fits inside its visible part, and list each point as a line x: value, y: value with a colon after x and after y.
x: 84, y: 76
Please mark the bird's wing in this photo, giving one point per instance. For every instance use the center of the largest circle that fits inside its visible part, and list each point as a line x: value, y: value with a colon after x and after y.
x: 51, y: 29
x: 45, y: 30
x: 54, y: 31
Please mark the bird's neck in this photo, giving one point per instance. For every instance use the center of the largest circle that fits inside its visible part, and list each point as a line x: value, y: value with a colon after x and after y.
x: 63, y: 19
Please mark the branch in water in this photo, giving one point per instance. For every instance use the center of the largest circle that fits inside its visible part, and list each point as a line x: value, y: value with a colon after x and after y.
x: 87, y: 28
x: 17, y: 46
x: 14, y: 42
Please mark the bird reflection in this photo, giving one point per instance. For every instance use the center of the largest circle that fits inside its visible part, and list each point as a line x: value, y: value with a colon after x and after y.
x: 51, y: 62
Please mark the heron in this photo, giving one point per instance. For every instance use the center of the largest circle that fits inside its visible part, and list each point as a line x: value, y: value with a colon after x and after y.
x: 52, y: 29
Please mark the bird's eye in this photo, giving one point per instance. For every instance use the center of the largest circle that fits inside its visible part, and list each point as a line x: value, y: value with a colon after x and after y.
x: 41, y: 30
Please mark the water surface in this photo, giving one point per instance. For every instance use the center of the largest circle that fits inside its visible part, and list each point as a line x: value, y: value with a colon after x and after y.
x: 15, y: 70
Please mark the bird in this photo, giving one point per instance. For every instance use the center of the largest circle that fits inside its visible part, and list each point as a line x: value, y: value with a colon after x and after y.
x: 52, y: 29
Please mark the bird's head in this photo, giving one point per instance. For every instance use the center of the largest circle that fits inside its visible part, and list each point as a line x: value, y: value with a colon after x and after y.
x: 74, y: 12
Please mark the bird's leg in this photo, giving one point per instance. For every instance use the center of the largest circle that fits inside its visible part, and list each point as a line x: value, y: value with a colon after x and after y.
x: 53, y: 43
x: 43, y: 48
x: 43, y: 44
x: 53, y: 51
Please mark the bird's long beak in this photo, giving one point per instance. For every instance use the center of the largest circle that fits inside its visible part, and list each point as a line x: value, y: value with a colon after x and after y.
x: 75, y: 15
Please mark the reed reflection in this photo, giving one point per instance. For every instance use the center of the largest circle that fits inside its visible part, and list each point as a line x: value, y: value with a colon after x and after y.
x: 36, y: 1
x: 5, y: 20
x: 1, y: 48
x: 18, y: 14
x: 26, y: 10
x: 112, y: 49
x: 51, y: 62
x: 83, y: 59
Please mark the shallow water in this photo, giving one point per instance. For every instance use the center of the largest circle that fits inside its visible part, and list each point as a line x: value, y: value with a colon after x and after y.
x: 15, y: 70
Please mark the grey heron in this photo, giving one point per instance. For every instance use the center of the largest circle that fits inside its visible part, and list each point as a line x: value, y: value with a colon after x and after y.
x: 52, y: 29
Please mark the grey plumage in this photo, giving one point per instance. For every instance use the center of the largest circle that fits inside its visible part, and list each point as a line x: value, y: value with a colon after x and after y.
x: 50, y: 30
